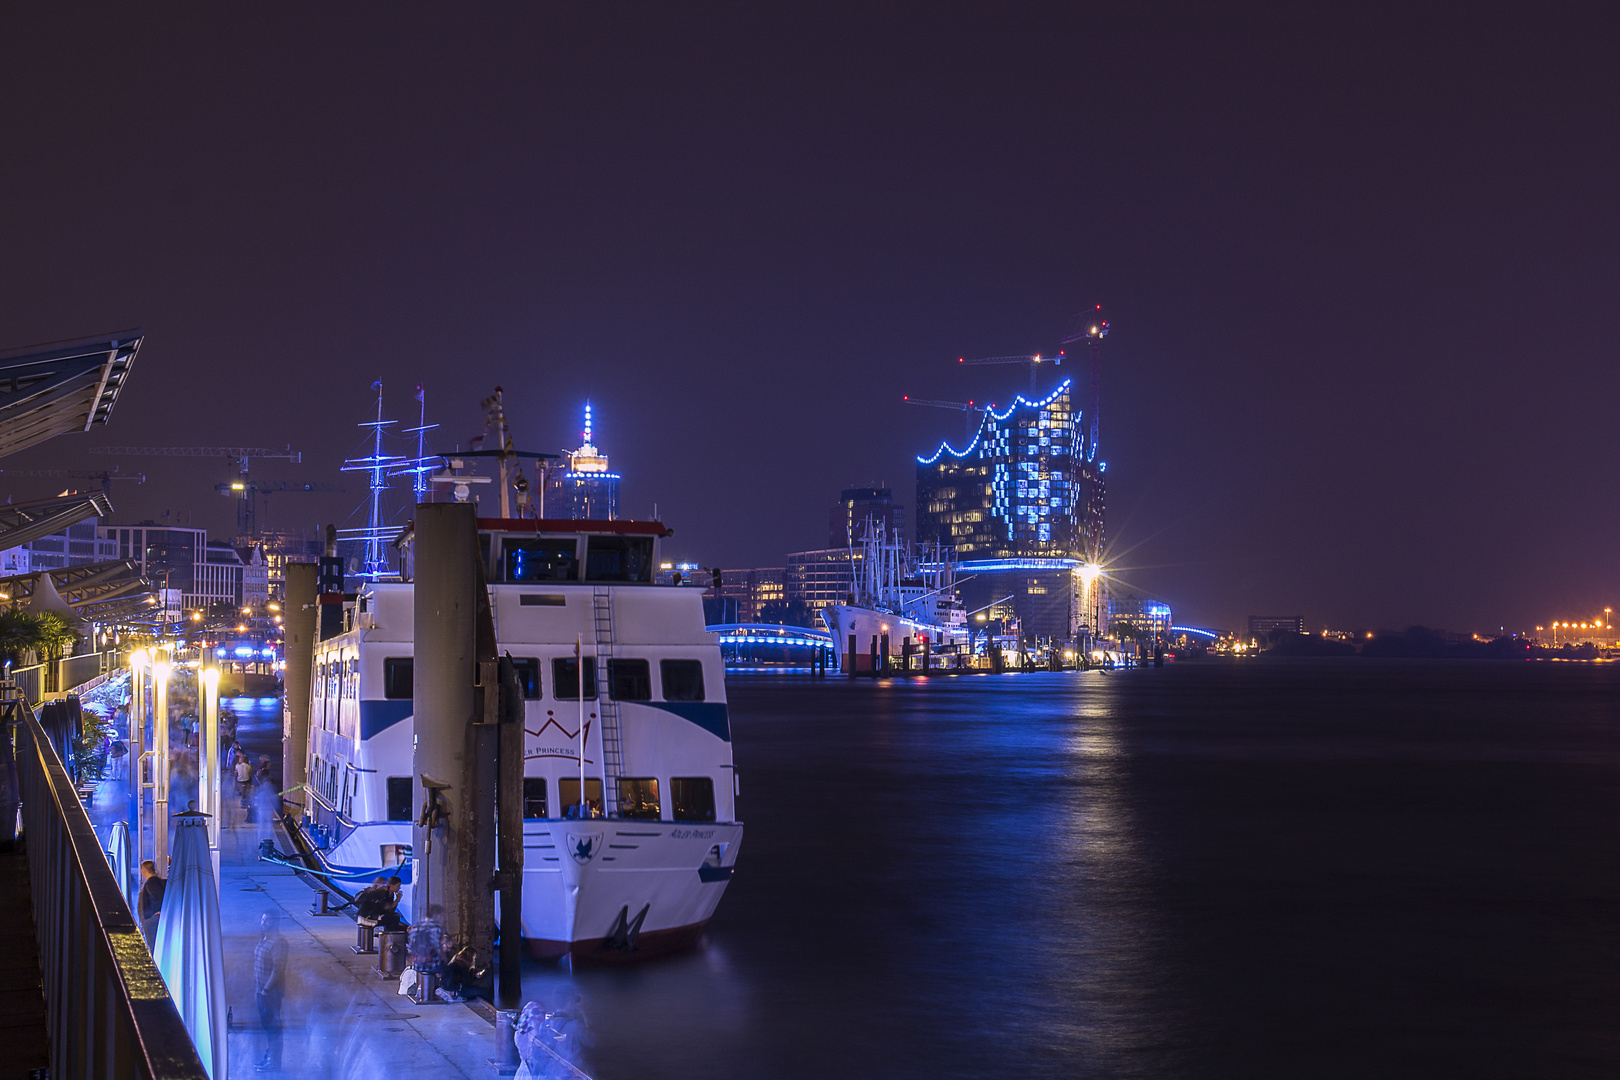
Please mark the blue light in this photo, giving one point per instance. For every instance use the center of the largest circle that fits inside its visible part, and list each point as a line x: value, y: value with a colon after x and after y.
x: 990, y: 565
x: 1212, y: 635
x: 243, y: 650
x: 945, y: 447
x: 219, y: 652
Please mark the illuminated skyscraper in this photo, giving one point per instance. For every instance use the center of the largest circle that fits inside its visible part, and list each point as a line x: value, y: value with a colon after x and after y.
x: 1022, y: 506
x: 585, y: 489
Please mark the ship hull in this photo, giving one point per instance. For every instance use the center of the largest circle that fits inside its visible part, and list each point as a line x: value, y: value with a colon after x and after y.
x: 866, y: 625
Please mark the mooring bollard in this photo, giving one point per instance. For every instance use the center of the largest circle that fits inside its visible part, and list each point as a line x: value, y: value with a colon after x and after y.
x: 506, y: 1060
x: 319, y: 906
x: 391, y: 954
x: 365, y: 935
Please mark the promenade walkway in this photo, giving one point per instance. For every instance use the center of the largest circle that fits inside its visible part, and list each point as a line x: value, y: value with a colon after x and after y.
x: 340, y: 1020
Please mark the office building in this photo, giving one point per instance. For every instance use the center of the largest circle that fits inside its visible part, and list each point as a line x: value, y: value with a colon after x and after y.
x: 760, y: 594
x: 1262, y: 626
x: 1149, y: 617
x: 818, y: 578
x: 855, y: 505
x: 586, y: 488
x: 1023, y: 507
x: 204, y: 572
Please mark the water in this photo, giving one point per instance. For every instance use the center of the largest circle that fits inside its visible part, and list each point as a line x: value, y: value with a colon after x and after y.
x: 1344, y: 868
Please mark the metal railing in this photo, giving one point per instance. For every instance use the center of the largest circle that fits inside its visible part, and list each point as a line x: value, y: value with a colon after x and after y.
x: 109, y: 1013
x: 58, y: 676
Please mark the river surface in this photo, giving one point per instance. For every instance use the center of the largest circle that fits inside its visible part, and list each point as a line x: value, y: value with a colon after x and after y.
x: 1346, y: 868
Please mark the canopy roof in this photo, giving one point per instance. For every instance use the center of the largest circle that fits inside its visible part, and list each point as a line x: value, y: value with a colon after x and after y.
x: 23, y: 523
x: 49, y: 390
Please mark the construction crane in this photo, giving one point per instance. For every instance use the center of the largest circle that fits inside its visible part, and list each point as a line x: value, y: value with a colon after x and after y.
x: 248, y: 492
x: 974, y: 412
x: 1034, y: 360
x: 106, y: 477
x: 1091, y: 327
x: 238, y: 456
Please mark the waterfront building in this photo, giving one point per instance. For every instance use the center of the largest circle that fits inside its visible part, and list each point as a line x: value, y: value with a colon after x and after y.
x: 1261, y: 626
x: 278, y: 548
x: 855, y: 506
x: 204, y: 572
x: 1022, y: 506
x: 1151, y: 617
x: 818, y: 578
x: 586, y: 488
x: 755, y: 592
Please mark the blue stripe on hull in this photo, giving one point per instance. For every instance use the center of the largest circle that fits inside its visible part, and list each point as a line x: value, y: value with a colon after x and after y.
x: 711, y: 716
x: 377, y: 717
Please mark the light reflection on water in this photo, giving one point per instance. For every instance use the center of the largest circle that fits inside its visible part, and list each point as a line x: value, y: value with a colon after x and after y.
x: 1358, y: 868
x: 1206, y: 870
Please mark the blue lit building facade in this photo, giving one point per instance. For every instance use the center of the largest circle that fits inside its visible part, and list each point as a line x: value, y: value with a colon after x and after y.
x: 1022, y: 506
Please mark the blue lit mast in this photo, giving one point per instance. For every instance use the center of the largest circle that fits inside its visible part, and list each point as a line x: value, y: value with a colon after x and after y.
x: 374, y: 565
x: 418, y: 467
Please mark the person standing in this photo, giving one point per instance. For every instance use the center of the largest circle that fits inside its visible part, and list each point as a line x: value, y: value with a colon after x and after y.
x: 269, y: 987
x: 244, y: 779
x: 149, y: 903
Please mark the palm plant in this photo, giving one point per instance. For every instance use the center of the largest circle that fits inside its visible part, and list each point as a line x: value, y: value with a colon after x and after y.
x: 53, y: 634
x: 18, y: 633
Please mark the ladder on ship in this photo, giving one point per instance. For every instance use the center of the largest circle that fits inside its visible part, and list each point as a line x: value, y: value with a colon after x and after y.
x: 607, y: 706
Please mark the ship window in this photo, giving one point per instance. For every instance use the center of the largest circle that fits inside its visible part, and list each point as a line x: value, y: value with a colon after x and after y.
x: 541, y: 560
x: 528, y: 673
x: 398, y: 677
x: 568, y: 796
x: 534, y: 796
x: 693, y: 798
x: 619, y: 558
x: 630, y: 680
x: 683, y: 679
x: 399, y: 798
x: 638, y: 798
x: 565, y: 678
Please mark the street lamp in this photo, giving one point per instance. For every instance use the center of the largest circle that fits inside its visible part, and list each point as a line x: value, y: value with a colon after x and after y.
x: 208, y: 783
x: 137, y: 741
x: 160, y: 764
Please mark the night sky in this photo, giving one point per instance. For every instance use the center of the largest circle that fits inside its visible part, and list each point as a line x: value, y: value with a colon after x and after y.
x: 1361, y: 265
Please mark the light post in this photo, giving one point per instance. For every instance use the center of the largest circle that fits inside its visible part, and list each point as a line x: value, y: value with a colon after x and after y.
x: 208, y: 780
x: 137, y: 741
x: 160, y: 765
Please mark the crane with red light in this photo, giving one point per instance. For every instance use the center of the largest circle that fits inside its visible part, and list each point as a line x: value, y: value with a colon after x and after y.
x: 973, y: 411
x: 1034, y: 360
x: 1091, y: 328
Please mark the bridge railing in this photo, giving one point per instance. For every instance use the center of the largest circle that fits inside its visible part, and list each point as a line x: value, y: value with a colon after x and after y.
x: 109, y: 1013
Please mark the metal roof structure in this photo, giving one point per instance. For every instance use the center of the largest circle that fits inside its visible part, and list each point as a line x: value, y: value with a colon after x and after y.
x: 94, y: 591
x: 52, y: 389
x: 23, y: 523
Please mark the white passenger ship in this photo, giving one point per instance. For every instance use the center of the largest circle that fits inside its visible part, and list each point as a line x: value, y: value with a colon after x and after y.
x: 646, y: 868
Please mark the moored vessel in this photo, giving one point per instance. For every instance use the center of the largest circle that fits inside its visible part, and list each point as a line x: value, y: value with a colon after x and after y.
x: 630, y: 830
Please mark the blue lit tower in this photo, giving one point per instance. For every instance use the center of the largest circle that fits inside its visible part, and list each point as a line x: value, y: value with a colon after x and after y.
x: 1022, y: 507
x: 585, y: 490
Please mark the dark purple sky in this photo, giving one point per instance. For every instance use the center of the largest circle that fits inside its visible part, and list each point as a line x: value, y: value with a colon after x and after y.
x: 1362, y: 265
